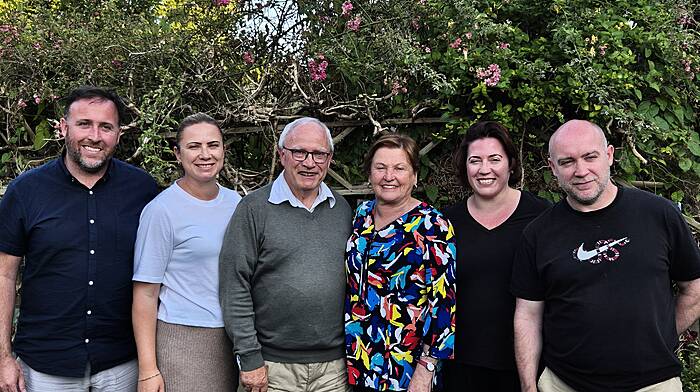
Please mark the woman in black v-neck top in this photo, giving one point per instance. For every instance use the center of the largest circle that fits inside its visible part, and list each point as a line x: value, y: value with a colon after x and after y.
x: 487, y: 225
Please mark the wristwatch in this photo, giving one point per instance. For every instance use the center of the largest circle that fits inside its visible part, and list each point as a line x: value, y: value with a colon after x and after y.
x: 428, y: 365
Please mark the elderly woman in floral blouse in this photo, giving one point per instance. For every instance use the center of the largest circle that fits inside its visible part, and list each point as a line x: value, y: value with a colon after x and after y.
x: 400, y: 260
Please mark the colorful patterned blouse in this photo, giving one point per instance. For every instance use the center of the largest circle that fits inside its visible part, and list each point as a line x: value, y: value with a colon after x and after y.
x: 400, y: 295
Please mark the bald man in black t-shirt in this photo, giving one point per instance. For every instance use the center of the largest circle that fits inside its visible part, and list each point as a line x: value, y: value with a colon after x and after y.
x: 593, y: 278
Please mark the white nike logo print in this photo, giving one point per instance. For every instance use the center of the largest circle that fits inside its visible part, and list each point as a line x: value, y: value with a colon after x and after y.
x: 584, y: 255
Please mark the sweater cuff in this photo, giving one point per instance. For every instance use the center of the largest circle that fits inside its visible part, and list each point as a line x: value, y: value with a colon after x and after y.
x: 251, y: 361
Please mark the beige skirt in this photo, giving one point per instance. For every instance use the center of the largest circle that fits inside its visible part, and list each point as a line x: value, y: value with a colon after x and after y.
x: 193, y: 359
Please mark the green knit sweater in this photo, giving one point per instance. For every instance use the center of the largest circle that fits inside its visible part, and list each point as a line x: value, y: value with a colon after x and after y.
x: 282, y: 280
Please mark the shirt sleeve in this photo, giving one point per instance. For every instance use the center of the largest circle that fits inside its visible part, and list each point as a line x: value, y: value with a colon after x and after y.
x: 525, y: 280
x: 684, y: 251
x: 239, y: 255
x: 154, y: 244
x: 12, y: 223
x: 439, y: 327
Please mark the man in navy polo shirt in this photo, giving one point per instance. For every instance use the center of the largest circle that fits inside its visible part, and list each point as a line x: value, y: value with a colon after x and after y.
x: 74, y: 221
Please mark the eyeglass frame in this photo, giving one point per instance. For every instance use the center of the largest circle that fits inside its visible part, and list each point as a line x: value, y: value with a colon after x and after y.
x: 314, y: 155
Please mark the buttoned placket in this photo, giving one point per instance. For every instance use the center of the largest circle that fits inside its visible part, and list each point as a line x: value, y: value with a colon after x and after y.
x: 92, y: 262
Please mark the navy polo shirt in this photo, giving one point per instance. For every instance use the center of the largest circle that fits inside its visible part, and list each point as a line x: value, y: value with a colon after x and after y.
x: 78, y: 245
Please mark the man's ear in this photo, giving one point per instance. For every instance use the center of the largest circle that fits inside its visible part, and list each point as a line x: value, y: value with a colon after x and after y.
x: 63, y: 126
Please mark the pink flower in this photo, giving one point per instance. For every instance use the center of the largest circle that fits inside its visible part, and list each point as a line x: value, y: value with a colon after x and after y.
x: 427, y: 49
x: 602, y: 49
x: 685, y: 20
x: 468, y: 35
x: 37, y: 99
x: 248, y: 58
x: 354, y: 24
x: 457, y: 43
x: 36, y: 45
x: 503, y: 45
x: 21, y: 103
x: 318, y: 69
x: 221, y: 3
x: 117, y: 63
x: 491, y: 75
x: 415, y: 23
x: 687, y: 65
x: 347, y: 7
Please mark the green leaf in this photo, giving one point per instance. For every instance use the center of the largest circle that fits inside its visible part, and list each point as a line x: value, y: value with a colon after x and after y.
x: 6, y: 157
x: 647, y: 52
x: 644, y: 107
x: 696, y: 168
x: 694, y: 147
x: 41, y: 133
x: 661, y: 123
x: 679, y: 112
x: 547, y: 176
x: 638, y: 93
x: 431, y: 191
x: 685, y: 164
x: 677, y: 196
x: 661, y: 102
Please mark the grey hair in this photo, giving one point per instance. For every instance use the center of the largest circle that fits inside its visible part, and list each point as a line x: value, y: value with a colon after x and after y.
x: 299, y: 122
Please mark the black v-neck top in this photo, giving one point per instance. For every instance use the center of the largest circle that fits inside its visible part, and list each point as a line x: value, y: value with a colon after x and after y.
x: 484, y: 331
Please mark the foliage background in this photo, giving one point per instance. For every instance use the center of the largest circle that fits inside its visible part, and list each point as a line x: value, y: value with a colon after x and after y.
x: 631, y: 66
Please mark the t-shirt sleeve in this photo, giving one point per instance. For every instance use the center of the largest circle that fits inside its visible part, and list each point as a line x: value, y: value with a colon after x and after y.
x: 12, y: 223
x: 525, y: 280
x: 684, y: 251
x: 154, y: 244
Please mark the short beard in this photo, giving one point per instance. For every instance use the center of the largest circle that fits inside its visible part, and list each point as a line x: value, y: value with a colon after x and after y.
x: 88, y: 167
x: 590, y: 200
x: 91, y: 168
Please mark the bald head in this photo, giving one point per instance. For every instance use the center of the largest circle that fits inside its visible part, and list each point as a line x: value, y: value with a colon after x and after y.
x: 580, y: 158
x: 574, y: 129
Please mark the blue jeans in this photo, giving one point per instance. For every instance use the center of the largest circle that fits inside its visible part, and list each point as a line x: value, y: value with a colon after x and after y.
x: 121, y: 378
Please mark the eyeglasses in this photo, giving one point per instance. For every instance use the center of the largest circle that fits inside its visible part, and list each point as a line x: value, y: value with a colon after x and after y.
x: 300, y: 155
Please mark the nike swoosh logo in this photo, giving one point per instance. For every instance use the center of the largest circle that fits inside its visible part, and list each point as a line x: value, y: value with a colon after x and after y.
x: 584, y: 255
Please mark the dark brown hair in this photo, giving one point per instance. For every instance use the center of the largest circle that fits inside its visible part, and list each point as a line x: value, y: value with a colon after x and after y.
x: 89, y: 92
x: 483, y: 130
x: 393, y: 140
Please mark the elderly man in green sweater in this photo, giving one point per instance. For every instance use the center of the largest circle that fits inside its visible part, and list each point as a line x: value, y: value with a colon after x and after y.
x: 282, y: 275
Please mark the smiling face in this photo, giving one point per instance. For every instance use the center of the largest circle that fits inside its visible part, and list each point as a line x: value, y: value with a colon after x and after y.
x: 200, y: 150
x: 488, y: 168
x: 580, y: 159
x: 391, y: 176
x: 91, y: 130
x: 304, y: 177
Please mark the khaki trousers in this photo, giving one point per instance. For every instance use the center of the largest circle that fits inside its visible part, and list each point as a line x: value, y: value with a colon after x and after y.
x: 329, y: 376
x: 549, y: 382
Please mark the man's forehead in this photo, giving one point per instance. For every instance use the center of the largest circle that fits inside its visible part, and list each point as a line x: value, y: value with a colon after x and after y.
x: 309, y: 133
x: 89, y: 104
x: 577, y: 138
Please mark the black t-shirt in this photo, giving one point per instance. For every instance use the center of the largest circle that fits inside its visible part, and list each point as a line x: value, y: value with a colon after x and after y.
x: 605, y: 278
x: 484, y: 331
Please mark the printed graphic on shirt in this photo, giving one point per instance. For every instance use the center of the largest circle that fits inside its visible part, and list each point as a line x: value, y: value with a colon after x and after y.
x: 605, y: 250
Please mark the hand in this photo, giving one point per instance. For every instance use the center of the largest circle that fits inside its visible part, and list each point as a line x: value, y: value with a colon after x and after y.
x: 11, y: 377
x: 155, y: 384
x: 255, y: 380
x: 422, y: 380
